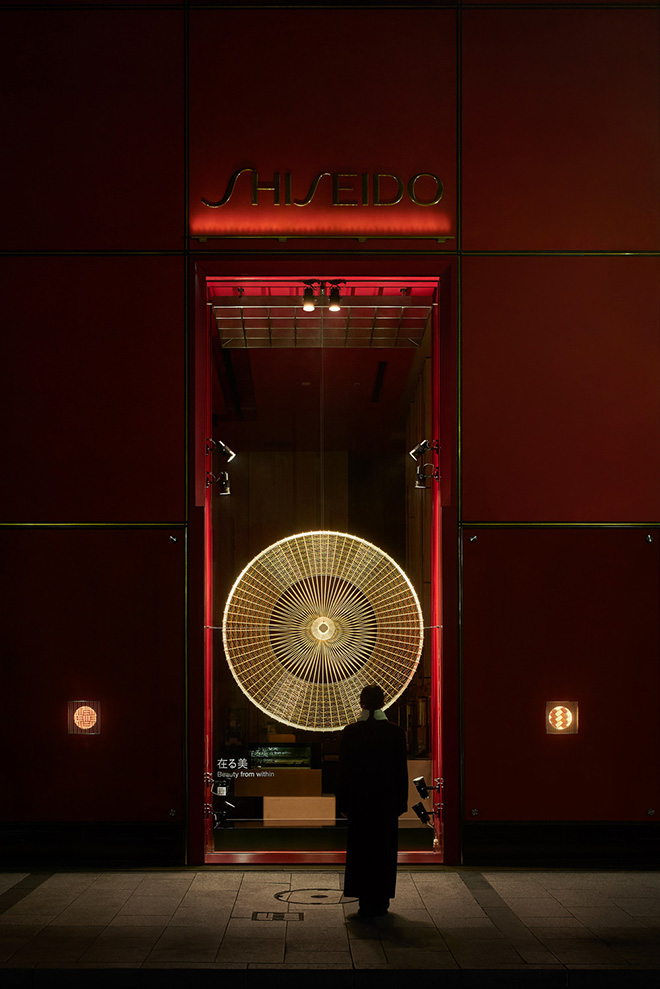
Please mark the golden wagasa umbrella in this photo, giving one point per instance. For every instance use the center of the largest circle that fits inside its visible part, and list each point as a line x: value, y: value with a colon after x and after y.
x: 313, y: 619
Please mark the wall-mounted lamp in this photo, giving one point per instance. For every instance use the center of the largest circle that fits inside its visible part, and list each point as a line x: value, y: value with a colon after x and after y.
x: 217, y: 445
x: 425, y: 816
x: 561, y: 717
x: 84, y: 717
x: 423, y: 446
x: 221, y: 479
x: 423, y: 472
x: 424, y: 790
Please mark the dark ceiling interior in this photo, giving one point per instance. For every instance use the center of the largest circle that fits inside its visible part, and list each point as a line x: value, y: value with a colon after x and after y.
x: 292, y: 380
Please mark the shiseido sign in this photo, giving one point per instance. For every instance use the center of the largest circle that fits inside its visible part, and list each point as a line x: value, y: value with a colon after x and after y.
x: 345, y: 188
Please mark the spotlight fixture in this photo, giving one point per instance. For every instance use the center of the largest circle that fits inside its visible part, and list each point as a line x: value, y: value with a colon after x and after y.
x: 315, y: 294
x: 223, y: 483
x: 423, y: 446
x: 422, y: 473
x: 221, y: 479
x: 221, y: 447
x: 309, y: 302
x: 423, y: 789
x: 335, y: 298
x: 425, y: 816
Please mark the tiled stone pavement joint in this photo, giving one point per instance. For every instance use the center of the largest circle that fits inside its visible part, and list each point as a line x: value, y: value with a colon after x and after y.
x: 21, y: 889
x: 531, y: 950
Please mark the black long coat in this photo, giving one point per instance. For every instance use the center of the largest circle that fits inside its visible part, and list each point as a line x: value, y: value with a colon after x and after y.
x: 373, y: 792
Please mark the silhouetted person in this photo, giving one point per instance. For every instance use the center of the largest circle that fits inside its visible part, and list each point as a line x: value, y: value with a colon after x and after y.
x: 373, y: 792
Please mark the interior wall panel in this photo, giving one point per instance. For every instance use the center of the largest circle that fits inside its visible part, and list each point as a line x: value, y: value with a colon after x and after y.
x: 561, y: 363
x: 552, y: 615
x: 92, y: 372
x: 561, y: 140
x: 93, y: 111
x: 92, y: 614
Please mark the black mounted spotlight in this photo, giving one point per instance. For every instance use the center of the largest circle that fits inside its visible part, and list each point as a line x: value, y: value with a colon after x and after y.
x: 223, y: 448
x: 221, y: 479
x: 335, y: 298
x: 309, y: 302
x: 212, y: 445
x: 421, y: 787
x: 422, y: 813
x: 423, y: 446
x: 423, y: 472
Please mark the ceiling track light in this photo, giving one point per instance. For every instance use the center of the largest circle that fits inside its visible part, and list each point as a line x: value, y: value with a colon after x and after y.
x: 309, y: 301
x: 335, y: 298
x: 315, y: 294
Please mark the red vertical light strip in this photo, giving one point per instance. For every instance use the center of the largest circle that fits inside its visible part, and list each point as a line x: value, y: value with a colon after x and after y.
x: 436, y: 583
x: 208, y: 603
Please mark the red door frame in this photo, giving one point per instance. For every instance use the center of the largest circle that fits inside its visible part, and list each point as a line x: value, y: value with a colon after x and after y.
x: 445, y: 726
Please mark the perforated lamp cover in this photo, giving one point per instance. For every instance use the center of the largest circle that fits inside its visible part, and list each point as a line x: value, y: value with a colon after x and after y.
x: 312, y: 620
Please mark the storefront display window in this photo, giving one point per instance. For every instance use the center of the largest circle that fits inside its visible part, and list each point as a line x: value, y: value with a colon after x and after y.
x: 321, y: 545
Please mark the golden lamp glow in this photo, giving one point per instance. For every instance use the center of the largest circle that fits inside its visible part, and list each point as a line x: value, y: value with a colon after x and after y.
x: 561, y: 717
x: 85, y: 717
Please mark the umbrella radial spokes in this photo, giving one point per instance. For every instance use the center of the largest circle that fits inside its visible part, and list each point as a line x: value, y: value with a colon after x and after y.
x: 313, y: 619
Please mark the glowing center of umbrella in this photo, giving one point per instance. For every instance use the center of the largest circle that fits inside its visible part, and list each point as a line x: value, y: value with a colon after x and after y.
x: 323, y: 628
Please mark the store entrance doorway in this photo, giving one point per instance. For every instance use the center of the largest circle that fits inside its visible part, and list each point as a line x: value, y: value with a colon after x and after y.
x: 311, y: 417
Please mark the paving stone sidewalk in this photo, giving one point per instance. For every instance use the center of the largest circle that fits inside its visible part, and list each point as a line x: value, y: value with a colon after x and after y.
x: 470, y: 927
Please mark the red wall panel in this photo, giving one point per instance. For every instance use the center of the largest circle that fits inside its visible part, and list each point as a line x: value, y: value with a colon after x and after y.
x: 561, y: 363
x: 310, y: 91
x: 561, y: 142
x: 561, y: 614
x: 92, y: 614
x: 92, y: 110
x: 92, y: 380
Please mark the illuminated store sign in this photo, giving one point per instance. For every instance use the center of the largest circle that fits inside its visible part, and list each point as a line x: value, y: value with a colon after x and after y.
x: 348, y: 189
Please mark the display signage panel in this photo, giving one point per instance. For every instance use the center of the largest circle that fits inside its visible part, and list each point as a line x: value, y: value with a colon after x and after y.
x: 339, y: 157
x: 280, y: 196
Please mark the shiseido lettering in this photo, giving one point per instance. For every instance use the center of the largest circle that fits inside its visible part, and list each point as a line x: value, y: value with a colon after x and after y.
x: 347, y: 188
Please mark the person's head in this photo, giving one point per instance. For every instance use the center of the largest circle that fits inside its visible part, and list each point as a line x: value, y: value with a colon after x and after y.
x: 372, y: 698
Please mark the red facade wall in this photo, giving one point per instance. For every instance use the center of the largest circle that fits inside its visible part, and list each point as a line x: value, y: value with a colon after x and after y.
x: 381, y: 99
x: 561, y: 149
x: 543, y: 126
x: 561, y: 614
x: 93, y: 614
x: 93, y: 111
x: 561, y: 363
x: 93, y: 383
